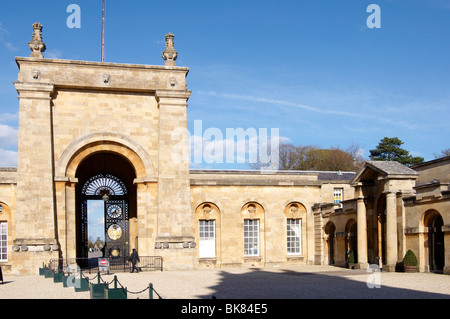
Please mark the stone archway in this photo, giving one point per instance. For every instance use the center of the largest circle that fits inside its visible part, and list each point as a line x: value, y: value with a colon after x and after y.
x: 435, y: 244
x: 111, y: 174
x: 351, y: 238
x: 330, y: 230
x: 90, y: 144
x: 101, y: 153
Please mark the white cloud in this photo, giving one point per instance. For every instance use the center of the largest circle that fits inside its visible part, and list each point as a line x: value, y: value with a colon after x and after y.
x: 234, y: 146
x: 8, y: 136
x: 360, y: 115
x: 3, y: 31
x: 11, y: 47
x: 8, y: 158
x: 53, y: 54
x: 8, y: 45
x: 7, y: 117
x: 99, y: 222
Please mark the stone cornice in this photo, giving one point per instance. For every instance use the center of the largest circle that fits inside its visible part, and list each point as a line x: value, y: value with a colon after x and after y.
x: 102, y: 76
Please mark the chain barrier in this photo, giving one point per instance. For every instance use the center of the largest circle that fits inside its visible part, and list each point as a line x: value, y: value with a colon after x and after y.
x: 121, y: 286
x: 82, y: 275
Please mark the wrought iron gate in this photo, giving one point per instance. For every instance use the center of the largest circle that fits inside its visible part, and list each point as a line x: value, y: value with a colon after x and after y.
x: 116, y: 229
x: 113, y: 192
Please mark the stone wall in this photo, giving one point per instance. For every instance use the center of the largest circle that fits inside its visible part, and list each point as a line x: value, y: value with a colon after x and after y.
x: 231, y: 193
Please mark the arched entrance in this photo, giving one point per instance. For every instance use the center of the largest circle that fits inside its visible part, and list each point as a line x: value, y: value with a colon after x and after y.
x: 107, y: 180
x: 330, y: 230
x: 351, y: 238
x: 436, y: 251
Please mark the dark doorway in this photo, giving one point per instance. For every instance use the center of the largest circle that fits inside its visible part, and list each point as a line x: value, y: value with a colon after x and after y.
x: 436, y: 243
x: 351, y: 239
x: 330, y: 229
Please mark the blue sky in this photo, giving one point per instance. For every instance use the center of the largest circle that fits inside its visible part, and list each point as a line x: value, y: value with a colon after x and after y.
x: 96, y: 219
x: 311, y: 68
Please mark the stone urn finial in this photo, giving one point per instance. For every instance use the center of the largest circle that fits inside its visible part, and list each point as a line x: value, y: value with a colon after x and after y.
x: 169, y: 54
x: 37, y: 46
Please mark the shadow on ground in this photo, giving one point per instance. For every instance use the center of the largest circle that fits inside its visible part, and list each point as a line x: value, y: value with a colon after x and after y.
x: 286, y: 284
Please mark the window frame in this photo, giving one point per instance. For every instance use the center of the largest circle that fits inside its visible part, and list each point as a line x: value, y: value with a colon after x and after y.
x: 204, y: 236
x: 250, y: 240
x: 294, y: 239
x: 3, y: 241
x: 338, y: 195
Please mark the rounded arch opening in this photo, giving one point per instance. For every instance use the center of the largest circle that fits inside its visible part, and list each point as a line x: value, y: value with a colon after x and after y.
x: 105, y: 205
x: 351, y: 237
x: 433, y: 220
x: 90, y: 144
x: 330, y: 230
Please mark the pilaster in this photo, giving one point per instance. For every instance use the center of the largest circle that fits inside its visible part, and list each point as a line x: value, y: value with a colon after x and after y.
x: 35, y: 223
x: 175, y: 236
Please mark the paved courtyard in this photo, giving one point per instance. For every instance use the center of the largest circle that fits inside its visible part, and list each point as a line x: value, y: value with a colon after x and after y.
x: 296, y: 282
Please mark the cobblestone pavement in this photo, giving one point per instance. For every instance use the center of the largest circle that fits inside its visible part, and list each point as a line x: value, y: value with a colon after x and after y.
x: 296, y: 282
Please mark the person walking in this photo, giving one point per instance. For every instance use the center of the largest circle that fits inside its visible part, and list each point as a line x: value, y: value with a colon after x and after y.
x: 134, y: 260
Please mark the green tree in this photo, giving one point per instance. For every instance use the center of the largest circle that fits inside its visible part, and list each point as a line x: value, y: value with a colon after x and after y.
x: 389, y: 149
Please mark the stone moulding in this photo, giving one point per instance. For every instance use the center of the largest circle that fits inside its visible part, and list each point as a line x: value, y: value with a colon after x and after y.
x: 35, y: 245
x: 83, y: 141
x: 175, y: 242
x: 103, y: 76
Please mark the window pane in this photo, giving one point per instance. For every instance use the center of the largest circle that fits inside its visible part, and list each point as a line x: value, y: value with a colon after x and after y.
x: 294, y: 236
x: 338, y: 195
x: 207, y: 242
x: 4, y: 241
x: 251, y: 237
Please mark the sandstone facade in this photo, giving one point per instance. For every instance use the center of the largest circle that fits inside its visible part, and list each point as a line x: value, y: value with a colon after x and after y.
x: 79, y: 120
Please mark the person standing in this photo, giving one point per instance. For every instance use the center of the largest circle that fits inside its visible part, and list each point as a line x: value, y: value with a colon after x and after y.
x: 134, y: 260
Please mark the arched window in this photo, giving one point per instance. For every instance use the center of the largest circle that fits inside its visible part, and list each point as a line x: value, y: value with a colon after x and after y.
x: 208, y: 216
x: 253, y: 216
x: 294, y: 213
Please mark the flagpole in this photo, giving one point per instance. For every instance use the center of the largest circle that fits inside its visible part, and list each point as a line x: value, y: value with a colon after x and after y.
x: 103, y: 32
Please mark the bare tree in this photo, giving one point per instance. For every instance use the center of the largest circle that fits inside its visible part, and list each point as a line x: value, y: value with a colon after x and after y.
x: 310, y: 157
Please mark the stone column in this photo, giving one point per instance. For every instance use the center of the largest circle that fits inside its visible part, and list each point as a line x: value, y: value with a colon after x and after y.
x: 446, y: 230
x: 71, y: 236
x: 35, y: 217
x: 175, y: 238
x: 391, y: 232
x: 146, y: 216
x: 362, y: 233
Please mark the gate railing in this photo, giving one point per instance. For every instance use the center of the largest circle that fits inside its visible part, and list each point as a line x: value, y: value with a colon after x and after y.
x: 146, y: 263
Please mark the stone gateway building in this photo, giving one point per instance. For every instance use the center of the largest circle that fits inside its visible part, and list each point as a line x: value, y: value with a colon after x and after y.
x: 118, y: 133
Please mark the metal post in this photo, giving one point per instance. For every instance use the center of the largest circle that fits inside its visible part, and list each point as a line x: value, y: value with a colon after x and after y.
x: 103, y: 32
x: 151, y: 290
